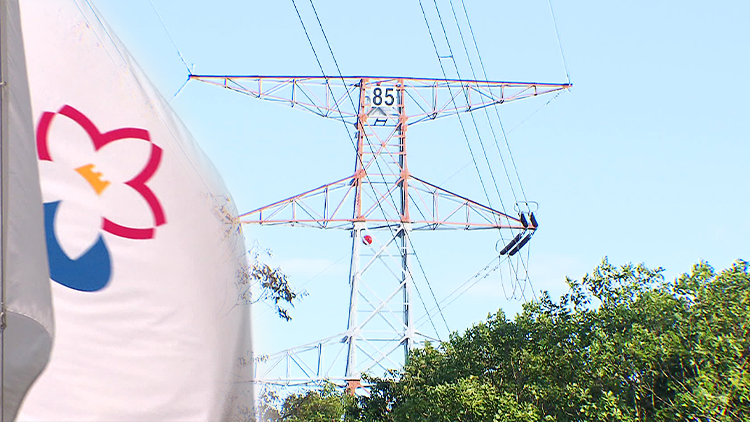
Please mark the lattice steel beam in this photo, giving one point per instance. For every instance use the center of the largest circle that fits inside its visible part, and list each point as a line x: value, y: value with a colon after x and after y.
x: 336, y: 98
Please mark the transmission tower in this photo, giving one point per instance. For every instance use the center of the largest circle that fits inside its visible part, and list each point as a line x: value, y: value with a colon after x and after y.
x: 381, y: 204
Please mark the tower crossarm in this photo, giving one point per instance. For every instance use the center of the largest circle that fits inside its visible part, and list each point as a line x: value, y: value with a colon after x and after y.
x: 322, y: 207
x: 431, y: 208
x: 338, y: 98
x: 435, y: 208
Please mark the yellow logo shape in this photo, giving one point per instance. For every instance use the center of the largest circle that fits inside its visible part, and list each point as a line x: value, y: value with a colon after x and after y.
x: 93, y: 177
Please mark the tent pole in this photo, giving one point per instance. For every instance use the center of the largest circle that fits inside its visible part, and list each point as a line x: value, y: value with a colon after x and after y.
x: 3, y: 193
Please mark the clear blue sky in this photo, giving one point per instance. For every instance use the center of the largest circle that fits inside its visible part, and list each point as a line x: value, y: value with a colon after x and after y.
x: 644, y: 160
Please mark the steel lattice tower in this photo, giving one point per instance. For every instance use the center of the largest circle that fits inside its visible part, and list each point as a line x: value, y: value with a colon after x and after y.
x: 381, y: 196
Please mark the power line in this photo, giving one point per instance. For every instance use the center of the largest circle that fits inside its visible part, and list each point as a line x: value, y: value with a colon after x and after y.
x: 473, y: 73
x: 351, y: 100
x: 158, y: 15
x: 452, y: 57
x: 559, y: 42
x: 505, y: 137
x: 497, y: 112
x: 465, y: 286
x: 414, y: 252
x: 453, y: 100
x: 424, y: 273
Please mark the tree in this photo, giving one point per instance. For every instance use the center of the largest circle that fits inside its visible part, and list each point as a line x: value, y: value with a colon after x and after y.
x: 623, y: 345
x: 272, y: 283
x: 718, y: 331
x: 326, y: 404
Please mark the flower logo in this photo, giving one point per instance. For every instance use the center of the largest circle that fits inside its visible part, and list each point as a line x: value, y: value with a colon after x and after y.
x: 96, y: 176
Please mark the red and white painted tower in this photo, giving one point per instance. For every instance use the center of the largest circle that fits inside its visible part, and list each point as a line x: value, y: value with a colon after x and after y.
x: 381, y: 204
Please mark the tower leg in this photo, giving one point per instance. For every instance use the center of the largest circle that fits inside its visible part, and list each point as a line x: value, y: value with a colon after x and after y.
x: 352, y: 329
x: 407, y: 285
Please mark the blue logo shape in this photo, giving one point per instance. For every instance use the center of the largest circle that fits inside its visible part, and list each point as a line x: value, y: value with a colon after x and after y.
x: 89, y: 273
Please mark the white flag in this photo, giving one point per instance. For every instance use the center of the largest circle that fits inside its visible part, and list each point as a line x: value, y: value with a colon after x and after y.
x: 146, y: 255
x: 27, y: 337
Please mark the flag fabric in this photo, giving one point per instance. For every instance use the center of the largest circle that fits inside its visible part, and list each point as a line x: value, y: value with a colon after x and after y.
x: 146, y: 255
x: 27, y: 336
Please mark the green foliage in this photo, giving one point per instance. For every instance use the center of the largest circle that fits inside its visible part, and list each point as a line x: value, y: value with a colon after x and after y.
x: 321, y: 405
x: 324, y: 405
x: 272, y: 282
x: 718, y: 329
x: 622, y: 345
x: 268, y: 406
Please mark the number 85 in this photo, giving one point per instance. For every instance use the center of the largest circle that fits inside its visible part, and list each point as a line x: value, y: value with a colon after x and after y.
x: 377, y: 96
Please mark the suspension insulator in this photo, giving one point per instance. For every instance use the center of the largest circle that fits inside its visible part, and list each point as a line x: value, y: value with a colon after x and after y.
x: 511, y: 244
x: 533, y: 220
x: 520, y: 245
x: 524, y: 221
